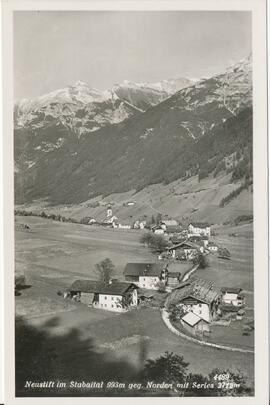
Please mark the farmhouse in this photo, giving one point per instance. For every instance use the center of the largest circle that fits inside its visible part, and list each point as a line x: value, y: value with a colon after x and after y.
x: 232, y: 296
x: 198, y: 297
x: 116, y: 296
x: 194, y: 324
x: 146, y: 275
x: 199, y: 228
x: 186, y: 250
x: 157, y: 230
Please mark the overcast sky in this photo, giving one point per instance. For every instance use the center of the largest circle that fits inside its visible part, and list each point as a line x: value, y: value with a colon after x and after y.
x: 55, y: 49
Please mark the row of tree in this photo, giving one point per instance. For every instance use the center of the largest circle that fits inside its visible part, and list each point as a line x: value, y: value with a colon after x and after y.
x: 43, y: 214
x: 235, y: 193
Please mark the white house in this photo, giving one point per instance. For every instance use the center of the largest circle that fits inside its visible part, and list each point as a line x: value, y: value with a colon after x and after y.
x: 157, y: 230
x: 232, y: 296
x: 194, y: 323
x: 199, y: 228
x: 146, y: 275
x: 116, y: 296
x: 212, y: 247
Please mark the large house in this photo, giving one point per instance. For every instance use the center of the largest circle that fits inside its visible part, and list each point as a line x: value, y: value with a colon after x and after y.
x: 115, y: 296
x: 185, y: 250
x: 146, y: 275
x: 199, y: 228
x: 197, y: 296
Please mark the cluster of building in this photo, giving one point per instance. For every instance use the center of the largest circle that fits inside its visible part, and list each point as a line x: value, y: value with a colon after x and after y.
x: 199, y: 304
x: 195, y: 300
x: 118, y: 295
x: 113, y: 221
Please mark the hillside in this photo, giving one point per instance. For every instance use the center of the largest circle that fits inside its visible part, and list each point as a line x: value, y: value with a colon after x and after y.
x: 201, y: 130
x: 182, y: 199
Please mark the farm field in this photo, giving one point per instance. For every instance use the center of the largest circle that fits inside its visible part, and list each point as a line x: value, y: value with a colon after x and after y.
x: 54, y: 254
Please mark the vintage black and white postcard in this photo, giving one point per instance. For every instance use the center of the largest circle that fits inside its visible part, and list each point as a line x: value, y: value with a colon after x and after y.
x: 135, y: 152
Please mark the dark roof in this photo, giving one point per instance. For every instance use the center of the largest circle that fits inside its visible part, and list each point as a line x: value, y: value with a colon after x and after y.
x: 201, y: 290
x: 173, y: 229
x: 200, y: 224
x: 88, y: 286
x: 233, y: 290
x: 143, y: 269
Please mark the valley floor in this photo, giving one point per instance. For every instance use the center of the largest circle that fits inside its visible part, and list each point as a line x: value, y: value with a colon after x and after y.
x: 54, y: 254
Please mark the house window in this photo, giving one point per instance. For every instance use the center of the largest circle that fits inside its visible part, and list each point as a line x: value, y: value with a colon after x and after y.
x: 105, y: 305
x: 105, y: 297
x: 112, y: 306
x: 200, y: 305
x: 200, y: 312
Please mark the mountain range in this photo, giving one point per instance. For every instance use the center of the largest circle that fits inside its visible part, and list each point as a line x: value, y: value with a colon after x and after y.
x: 84, y: 109
x: 132, y: 136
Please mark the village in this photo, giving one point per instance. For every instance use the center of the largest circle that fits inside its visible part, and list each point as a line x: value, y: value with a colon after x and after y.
x: 194, y: 305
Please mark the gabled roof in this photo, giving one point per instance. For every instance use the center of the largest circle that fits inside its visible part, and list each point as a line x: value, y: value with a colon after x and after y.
x: 169, y: 222
x: 231, y: 290
x: 93, y: 286
x: 198, y: 289
x: 187, y: 244
x: 143, y: 269
x: 200, y: 224
x: 191, y: 319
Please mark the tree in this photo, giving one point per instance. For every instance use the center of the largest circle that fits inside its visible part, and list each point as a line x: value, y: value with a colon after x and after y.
x: 158, y: 218
x: 105, y: 270
x: 201, y: 260
x: 147, y: 238
x: 159, y: 243
x: 161, y: 287
x: 170, y: 368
